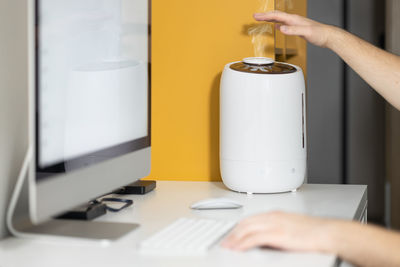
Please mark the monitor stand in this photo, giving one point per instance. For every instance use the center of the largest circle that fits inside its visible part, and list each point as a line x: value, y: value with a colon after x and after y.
x: 20, y: 224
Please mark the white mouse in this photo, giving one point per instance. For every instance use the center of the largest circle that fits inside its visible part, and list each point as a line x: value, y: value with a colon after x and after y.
x: 216, y: 203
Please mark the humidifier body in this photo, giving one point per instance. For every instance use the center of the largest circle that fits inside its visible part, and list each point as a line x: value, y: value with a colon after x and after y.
x: 262, y: 126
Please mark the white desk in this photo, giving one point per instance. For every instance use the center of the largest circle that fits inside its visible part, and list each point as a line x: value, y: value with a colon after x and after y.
x: 170, y: 201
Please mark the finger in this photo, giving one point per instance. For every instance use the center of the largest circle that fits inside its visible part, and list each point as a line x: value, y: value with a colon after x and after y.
x: 237, y: 234
x: 242, y: 229
x: 281, y: 17
x: 266, y: 238
x: 247, y: 227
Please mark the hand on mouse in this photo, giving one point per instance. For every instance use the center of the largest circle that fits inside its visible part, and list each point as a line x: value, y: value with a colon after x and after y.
x: 283, y: 231
x: 290, y: 24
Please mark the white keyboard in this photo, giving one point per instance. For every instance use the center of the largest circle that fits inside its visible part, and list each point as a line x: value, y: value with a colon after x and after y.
x: 187, y: 236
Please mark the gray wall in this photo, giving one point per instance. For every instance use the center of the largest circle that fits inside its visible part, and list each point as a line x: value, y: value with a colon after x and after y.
x: 13, y: 98
x: 346, y: 116
x: 324, y: 100
x: 366, y: 112
x: 393, y: 123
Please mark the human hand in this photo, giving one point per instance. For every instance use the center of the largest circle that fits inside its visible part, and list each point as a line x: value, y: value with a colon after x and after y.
x: 282, y: 230
x: 290, y: 24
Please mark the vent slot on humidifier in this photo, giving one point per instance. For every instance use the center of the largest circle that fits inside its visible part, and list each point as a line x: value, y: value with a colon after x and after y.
x: 302, y: 118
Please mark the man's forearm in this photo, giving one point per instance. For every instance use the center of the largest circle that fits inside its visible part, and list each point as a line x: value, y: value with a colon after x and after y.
x: 380, y: 69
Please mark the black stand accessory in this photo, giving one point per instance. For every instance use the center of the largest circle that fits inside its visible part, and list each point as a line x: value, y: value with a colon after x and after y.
x: 126, y: 203
x: 137, y: 188
x: 95, y: 209
x: 85, y: 212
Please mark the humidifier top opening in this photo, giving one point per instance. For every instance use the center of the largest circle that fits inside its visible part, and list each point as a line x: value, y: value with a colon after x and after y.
x: 258, y: 61
x: 262, y: 65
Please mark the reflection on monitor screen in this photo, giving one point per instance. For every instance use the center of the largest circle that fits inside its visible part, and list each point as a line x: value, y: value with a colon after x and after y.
x: 92, y: 78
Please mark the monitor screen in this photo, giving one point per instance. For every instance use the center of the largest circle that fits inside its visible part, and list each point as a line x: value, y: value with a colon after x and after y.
x: 92, y: 82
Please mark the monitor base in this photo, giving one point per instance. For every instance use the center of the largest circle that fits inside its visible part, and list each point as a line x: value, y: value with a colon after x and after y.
x: 20, y: 224
x: 80, y: 229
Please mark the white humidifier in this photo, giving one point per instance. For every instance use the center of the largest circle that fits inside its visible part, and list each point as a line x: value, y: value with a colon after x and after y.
x: 262, y: 126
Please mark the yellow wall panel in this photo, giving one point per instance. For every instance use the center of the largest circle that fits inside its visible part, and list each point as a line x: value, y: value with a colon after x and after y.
x: 191, y: 43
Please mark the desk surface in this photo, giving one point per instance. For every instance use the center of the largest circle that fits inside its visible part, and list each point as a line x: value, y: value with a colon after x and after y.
x: 170, y: 201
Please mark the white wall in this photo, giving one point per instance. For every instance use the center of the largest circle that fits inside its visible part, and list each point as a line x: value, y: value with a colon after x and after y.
x: 13, y: 97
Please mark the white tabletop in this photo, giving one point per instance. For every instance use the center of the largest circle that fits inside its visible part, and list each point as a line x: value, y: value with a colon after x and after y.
x: 171, y: 200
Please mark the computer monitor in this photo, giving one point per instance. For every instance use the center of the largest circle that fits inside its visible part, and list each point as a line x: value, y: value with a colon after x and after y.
x: 90, y: 101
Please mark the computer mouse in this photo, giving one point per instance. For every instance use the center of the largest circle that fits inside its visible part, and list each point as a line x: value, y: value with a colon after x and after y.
x: 216, y: 203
